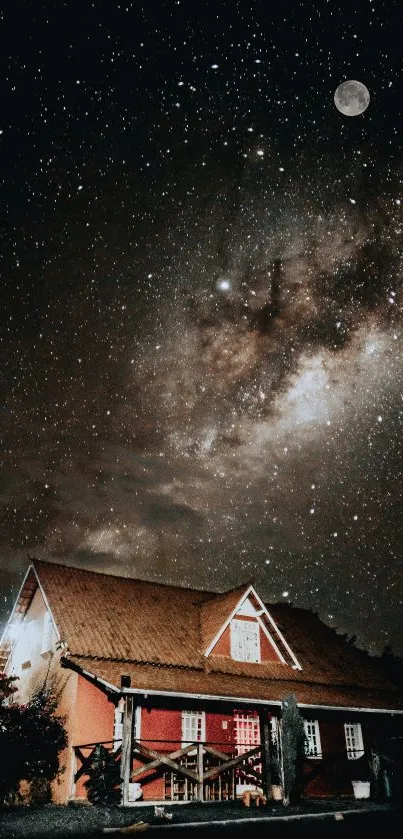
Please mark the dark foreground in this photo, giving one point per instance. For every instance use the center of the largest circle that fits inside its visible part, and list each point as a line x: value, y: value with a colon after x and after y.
x: 330, y: 819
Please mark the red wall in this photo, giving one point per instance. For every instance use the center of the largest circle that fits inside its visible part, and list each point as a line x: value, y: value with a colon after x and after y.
x: 333, y: 751
x: 94, y: 719
x: 159, y: 724
x: 223, y: 645
x: 219, y: 737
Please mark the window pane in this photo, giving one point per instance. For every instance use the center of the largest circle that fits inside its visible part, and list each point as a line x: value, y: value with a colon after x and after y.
x: 245, y: 642
x: 312, y: 734
x: 354, y: 741
x: 247, y: 731
x: 192, y: 727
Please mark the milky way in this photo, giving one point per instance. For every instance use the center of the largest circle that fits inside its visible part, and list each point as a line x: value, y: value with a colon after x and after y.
x: 202, y: 331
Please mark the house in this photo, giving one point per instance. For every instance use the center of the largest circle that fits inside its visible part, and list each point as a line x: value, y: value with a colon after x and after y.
x: 187, y: 687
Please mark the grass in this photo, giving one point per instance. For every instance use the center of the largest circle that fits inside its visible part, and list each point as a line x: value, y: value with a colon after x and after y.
x: 80, y: 820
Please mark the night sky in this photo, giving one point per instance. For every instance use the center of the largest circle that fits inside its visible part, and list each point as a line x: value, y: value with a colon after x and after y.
x: 201, y: 322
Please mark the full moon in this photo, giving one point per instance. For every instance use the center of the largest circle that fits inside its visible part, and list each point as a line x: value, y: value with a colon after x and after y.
x: 351, y: 98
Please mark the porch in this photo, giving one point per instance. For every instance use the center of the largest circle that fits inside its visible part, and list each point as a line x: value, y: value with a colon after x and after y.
x: 199, y: 771
x: 162, y: 771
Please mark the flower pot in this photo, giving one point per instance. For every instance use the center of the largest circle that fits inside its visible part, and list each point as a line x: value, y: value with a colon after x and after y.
x: 276, y: 792
x: 361, y: 789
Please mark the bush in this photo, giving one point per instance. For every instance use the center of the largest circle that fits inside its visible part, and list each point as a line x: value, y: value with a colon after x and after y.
x: 31, y: 739
x: 293, y: 742
x: 103, y: 783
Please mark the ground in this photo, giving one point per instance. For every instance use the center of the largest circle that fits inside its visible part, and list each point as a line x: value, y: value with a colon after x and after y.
x: 316, y: 818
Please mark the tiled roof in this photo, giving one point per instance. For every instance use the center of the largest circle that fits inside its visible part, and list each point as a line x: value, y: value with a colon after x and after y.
x: 122, y: 625
x: 121, y: 618
x: 146, y: 677
x: 216, y: 611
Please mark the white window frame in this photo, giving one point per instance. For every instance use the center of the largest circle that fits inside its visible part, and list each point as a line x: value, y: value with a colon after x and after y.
x: 47, y: 631
x: 246, y: 731
x: 247, y: 736
x: 245, y: 641
x: 313, y: 746
x: 193, y: 727
x: 354, y: 740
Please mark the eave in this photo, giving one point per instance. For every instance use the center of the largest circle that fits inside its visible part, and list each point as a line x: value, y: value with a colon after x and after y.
x: 144, y: 693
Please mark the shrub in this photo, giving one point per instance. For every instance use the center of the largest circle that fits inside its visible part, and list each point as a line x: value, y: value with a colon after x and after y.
x: 103, y: 783
x: 31, y: 739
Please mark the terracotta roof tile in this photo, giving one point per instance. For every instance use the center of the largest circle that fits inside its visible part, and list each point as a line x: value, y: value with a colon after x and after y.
x: 216, y: 611
x: 118, y: 617
x: 133, y: 623
x: 173, y: 680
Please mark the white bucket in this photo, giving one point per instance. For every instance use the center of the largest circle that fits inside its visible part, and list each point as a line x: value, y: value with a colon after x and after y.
x: 361, y: 789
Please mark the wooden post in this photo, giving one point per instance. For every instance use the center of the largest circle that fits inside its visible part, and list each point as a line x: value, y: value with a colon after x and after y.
x: 200, y: 796
x: 266, y: 746
x: 126, y: 759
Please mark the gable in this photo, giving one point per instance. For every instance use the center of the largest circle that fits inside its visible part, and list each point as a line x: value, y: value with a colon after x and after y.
x: 30, y: 637
x: 264, y: 638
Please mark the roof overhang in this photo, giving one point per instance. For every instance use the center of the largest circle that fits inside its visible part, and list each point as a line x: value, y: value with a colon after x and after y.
x: 207, y: 697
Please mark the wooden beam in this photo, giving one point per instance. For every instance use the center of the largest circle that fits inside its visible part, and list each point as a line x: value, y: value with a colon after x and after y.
x: 85, y: 763
x: 199, y: 793
x: 166, y: 761
x: 215, y: 753
x: 127, y: 736
x: 236, y: 761
x: 136, y: 773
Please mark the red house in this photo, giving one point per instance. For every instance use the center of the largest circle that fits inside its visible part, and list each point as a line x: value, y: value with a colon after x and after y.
x: 187, y: 687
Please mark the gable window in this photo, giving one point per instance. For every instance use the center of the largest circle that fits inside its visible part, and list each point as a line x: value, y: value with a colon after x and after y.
x: 312, y: 738
x: 247, y: 731
x: 193, y: 727
x: 46, y: 643
x: 354, y: 741
x: 245, y: 641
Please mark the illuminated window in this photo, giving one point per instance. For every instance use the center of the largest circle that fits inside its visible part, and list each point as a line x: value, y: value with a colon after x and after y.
x: 354, y: 741
x: 193, y: 727
x: 312, y: 742
x: 245, y: 641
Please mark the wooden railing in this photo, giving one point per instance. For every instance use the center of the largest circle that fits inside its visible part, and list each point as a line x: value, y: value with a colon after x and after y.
x: 199, y: 764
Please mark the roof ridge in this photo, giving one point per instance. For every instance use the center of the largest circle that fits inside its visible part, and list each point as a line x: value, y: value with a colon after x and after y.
x: 109, y: 574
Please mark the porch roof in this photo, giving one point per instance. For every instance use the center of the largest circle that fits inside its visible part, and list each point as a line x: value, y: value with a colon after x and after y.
x: 197, y: 682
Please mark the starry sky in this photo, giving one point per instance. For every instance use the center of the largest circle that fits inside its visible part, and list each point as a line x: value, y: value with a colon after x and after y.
x: 201, y: 321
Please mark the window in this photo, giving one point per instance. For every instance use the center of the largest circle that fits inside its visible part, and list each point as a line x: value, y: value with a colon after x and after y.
x: 47, y: 629
x: 354, y: 741
x: 193, y: 727
x: 247, y: 736
x: 312, y: 744
x: 245, y: 642
x: 247, y: 731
